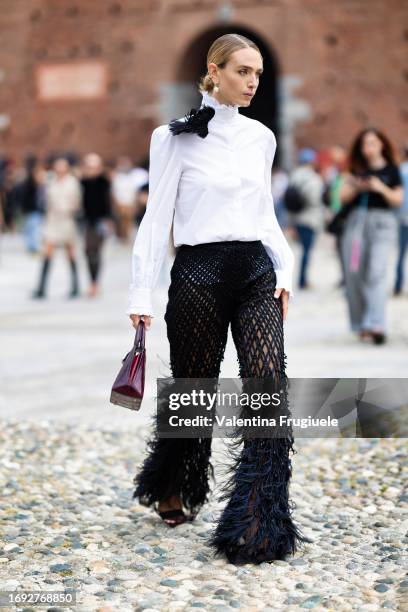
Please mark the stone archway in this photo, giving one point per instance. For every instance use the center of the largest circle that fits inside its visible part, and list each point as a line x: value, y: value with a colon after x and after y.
x: 183, y: 93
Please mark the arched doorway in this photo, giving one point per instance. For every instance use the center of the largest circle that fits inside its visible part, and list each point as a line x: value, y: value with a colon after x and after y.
x: 192, y: 65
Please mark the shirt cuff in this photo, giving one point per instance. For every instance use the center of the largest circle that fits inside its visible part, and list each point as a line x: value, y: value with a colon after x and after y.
x: 140, y: 302
x: 284, y: 281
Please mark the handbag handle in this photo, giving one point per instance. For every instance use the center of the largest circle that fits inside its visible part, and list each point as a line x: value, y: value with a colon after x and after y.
x: 139, y: 342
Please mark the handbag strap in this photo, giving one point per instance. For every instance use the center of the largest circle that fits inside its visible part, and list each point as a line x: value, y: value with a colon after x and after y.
x: 363, y: 200
x: 362, y: 207
x: 140, y: 335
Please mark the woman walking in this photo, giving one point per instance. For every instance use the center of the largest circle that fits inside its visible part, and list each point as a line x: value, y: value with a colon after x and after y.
x: 212, y: 171
x: 373, y: 188
x: 62, y: 201
x: 98, y: 216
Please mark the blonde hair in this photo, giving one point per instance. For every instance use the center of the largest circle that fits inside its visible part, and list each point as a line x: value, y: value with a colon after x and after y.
x: 219, y: 53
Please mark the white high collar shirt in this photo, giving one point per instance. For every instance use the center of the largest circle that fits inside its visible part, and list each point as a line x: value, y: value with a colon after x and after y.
x: 213, y: 189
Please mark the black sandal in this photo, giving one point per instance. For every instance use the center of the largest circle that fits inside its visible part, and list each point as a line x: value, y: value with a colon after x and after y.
x: 172, y: 518
x: 378, y: 337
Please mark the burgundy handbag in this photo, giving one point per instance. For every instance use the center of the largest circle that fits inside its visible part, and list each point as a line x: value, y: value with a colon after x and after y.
x: 128, y: 388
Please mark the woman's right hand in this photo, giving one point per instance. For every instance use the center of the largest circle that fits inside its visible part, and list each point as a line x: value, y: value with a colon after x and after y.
x: 136, y: 318
x: 349, y: 189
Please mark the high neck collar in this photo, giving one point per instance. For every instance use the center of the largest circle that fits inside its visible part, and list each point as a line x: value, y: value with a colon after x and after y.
x: 225, y: 112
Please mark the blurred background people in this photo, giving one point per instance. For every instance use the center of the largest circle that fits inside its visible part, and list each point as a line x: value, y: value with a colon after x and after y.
x: 141, y: 202
x: 11, y: 177
x: 3, y: 191
x: 97, y: 215
x: 62, y: 203
x: 303, y: 200
x: 126, y: 182
x: 373, y: 189
x: 279, y: 183
x: 333, y: 178
x: 402, y: 227
x: 31, y: 196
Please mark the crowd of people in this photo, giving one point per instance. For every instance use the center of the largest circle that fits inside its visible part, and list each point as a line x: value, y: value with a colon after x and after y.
x: 63, y: 199
x: 360, y: 196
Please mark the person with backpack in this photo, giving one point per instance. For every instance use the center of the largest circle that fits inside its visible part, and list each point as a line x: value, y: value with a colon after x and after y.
x: 303, y: 201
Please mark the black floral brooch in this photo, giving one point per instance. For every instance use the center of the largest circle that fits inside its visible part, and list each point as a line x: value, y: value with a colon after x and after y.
x: 196, y: 121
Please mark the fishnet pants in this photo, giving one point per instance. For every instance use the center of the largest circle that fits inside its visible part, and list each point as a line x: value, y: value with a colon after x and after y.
x: 215, y: 285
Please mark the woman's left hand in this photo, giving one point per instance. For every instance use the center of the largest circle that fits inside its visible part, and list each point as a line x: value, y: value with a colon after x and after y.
x: 284, y: 296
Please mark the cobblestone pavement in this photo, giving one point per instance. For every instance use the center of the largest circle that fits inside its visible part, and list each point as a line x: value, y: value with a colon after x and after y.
x: 68, y: 457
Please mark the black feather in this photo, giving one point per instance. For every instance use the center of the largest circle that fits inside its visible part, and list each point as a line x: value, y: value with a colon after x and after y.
x: 196, y: 122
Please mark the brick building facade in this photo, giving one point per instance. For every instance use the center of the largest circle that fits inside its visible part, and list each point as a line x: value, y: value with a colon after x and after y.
x: 99, y: 75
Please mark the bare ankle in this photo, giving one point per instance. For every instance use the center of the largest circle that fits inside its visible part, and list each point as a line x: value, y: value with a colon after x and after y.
x: 171, y: 503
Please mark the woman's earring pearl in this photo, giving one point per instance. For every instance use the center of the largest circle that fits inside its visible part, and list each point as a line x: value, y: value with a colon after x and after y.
x: 216, y: 88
